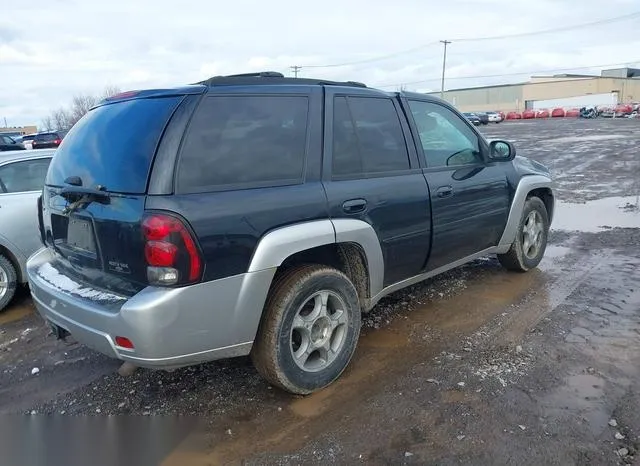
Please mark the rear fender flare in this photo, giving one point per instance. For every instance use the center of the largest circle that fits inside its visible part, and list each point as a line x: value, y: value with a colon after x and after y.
x: 276, y: 246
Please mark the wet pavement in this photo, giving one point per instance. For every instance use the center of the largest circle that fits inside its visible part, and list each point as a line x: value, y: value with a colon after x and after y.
x: 478, y: 366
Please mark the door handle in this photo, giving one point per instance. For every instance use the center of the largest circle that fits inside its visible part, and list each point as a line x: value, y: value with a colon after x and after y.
x: 353, y: 206
x: 445, y: 191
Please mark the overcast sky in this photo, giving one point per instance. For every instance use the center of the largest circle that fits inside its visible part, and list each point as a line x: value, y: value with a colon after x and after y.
x: 51, y: 49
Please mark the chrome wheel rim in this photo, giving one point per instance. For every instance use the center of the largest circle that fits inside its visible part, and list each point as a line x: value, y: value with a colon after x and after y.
x: 319, y: 331
x: 4, y: 282
x: 532, y: 234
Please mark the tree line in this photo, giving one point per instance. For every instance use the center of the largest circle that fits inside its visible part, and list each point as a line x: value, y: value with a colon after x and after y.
x: 63, y: 118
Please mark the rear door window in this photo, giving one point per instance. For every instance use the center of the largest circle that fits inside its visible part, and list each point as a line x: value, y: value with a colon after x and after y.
x: 23, y: 176
x: 367, y: 137
x: 244, y: 141
x: 113, y: 145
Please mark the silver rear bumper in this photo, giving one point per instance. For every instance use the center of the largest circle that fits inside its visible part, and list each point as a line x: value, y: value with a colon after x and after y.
x: 169, y: 327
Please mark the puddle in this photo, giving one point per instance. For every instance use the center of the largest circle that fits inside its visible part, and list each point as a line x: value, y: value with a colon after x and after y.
x: 16, y: 312
x: 598, y: 215
x: 583, y: 396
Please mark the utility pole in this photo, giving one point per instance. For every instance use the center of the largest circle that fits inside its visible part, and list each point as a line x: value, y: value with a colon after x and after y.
x: 444, y: 64
x: 5, y: 122
x: 295, y: 69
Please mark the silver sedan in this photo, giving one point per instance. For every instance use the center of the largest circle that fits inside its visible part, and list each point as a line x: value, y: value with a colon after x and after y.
x: 22, y: 175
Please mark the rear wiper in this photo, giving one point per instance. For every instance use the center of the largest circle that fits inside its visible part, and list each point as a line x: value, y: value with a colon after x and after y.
x: 79, y: 197
x: 73, y: 193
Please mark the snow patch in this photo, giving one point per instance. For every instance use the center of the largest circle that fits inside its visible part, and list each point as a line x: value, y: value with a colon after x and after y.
x: 49, y: 274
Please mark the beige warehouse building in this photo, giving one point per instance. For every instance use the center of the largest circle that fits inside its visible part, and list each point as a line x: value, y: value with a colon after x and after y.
x: 621, y: 85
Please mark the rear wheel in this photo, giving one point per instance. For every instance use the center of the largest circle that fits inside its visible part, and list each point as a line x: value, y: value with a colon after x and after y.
x: 8, y: 281
x: 528, y: 248
x: 309, y: 329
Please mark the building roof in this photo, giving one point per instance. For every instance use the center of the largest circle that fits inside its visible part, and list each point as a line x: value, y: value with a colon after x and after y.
x: 568, y: 77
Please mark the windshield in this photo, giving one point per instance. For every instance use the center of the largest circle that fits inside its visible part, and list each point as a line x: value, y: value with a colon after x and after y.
x: 113, y: 145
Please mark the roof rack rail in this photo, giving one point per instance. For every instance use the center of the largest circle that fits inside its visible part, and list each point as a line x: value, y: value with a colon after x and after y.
x: 271, y: 77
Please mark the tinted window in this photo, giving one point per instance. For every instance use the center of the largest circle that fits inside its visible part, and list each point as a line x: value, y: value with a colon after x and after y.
x: 113, y: 145
x: 48, y: 137
x: 26, y: 175
x: 367, y: 137
x: 446, y: 139
x: 244, y: 140
x: 7, y: 140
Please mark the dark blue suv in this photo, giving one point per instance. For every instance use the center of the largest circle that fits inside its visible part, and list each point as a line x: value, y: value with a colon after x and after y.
x: 258, y: 214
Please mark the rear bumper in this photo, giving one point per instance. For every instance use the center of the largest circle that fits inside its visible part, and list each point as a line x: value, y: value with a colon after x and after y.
x: 168, y: 327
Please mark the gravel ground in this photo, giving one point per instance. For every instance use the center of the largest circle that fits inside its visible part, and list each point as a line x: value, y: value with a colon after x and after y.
x: 477, y: 366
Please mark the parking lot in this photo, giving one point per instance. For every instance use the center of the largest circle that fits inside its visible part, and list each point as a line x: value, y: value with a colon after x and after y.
x: 478, y: 366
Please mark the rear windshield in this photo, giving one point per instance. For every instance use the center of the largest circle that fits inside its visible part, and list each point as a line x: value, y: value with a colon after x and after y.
x: 46, y: 137
x: 113, y: 145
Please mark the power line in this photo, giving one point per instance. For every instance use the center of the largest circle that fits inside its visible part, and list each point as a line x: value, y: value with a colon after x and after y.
x: 374, y: 59
x: 477, y: 39
x: 508, y: 74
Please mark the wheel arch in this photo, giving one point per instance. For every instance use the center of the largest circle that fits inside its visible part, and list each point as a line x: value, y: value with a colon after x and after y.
x: 530, y: 185
x: 349, y: 245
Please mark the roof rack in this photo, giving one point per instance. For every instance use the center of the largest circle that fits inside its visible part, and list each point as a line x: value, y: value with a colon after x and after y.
x: 271, y: 77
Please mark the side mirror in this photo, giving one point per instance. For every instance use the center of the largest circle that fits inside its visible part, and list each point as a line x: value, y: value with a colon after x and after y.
x: 501, y: 151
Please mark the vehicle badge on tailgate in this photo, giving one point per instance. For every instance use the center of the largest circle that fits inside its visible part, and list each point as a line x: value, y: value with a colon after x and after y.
x: 119, y: 267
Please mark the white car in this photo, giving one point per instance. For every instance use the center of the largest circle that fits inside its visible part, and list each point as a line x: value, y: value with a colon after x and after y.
x: 27, y: 140
x: 494, y: 117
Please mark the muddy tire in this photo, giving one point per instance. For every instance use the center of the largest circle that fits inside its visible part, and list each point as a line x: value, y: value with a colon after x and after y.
x: 309, y: 329
x: 528, y: 248
x: 8, y: 281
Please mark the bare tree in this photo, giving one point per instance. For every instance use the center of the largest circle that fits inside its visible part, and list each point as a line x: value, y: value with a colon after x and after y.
x: 47, y: 123
x: 110, y: 91
x: 63, y: 119
x: 80, y: 104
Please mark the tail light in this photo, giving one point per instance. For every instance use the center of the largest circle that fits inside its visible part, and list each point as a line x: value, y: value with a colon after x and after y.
x: 171, y: 252
x: 58, y: 141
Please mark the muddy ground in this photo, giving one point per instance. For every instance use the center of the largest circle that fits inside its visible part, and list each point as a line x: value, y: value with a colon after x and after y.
x: 478, y: 366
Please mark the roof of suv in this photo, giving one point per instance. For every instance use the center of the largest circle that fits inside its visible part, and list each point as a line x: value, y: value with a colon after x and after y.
x: 247, y: 79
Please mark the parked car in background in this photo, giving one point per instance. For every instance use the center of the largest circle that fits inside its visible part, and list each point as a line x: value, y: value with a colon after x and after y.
x: 473, y: 118
x: 7, y: 143
x: 22, y: 176
x: 48, y: 140
x: 27, y: 140
x: 484, y: 118
x: 494, y: 117
x: 264, y: 214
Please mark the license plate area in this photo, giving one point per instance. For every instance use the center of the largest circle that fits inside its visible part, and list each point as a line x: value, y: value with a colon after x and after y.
x: 80, y: 235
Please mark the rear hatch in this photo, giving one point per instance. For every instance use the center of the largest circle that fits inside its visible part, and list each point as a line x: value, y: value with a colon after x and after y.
x: 94, y: 196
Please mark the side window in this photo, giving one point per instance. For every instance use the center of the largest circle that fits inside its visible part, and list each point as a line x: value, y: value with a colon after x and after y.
x: 244, y: 140
x: 346, y: 153
x: 446, y: 139
x: 367, y: 137
x: 7, y: 140
x: 23, y: 176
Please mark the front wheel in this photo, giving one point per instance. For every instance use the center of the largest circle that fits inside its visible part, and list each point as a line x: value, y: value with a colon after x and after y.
x: 528, y: 248
x: 309, y: 329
